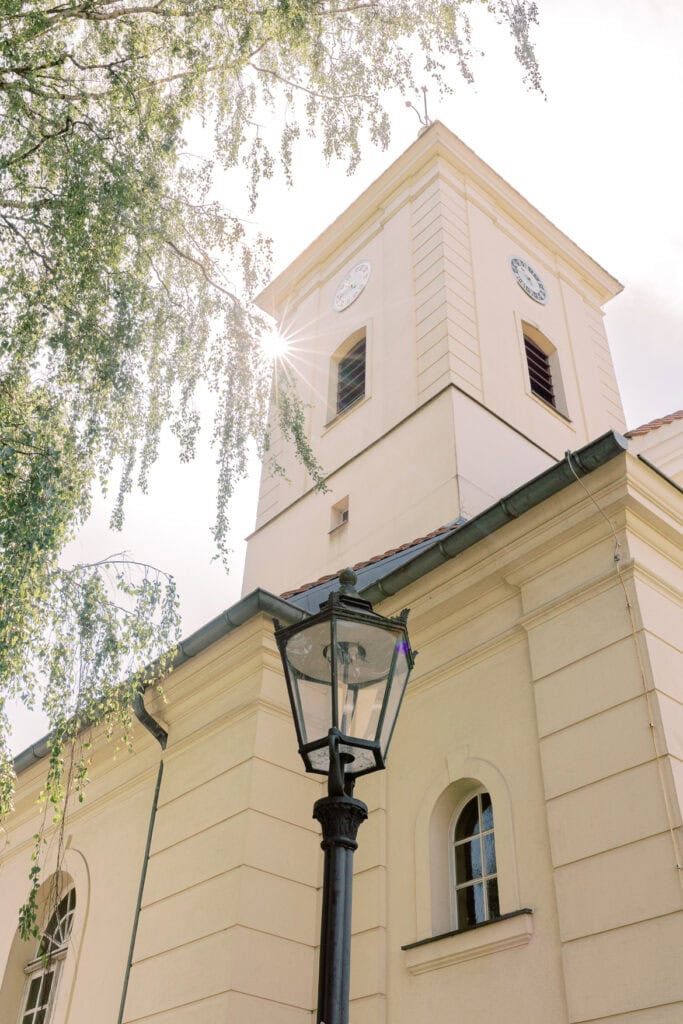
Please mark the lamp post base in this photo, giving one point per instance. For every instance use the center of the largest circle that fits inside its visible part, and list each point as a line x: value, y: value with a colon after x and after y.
x: 340, y: 818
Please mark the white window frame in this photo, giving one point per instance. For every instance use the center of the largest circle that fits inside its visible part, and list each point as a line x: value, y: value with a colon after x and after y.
x: 538, y: 338
x: 347, y: 345
x: 339, y: 515
x: 38, y: 969
x: 52, y: 963
x: 455, y: 885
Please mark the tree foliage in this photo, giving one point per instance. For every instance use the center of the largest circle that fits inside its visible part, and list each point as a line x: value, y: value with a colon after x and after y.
x: 125, y: 283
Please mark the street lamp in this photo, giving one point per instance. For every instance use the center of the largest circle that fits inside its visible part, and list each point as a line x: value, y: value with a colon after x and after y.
x: 346, y: 670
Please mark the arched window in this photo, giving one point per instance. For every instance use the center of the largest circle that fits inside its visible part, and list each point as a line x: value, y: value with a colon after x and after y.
x: 474, y: 871
x: 351, y: 377
x: 43, y: 970
x: 348, y: 382
x: 540, y: 373
x: 543, y: 368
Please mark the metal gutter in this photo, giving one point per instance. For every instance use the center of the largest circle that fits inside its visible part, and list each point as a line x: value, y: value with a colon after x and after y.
x: 257, y: 601
x: 36, y: 752
x: 515, y: 504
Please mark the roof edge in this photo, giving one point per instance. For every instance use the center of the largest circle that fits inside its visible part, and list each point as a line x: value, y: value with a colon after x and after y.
x: 575, y: 464
x: 661, y: 421
x: 258, y: 601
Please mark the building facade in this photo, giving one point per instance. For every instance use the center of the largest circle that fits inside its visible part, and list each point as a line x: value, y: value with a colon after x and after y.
x: 522, y: 857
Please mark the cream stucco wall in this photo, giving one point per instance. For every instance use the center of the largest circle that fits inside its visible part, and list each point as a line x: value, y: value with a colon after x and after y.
x: 543, y: 662
x: 105, y: 842
x: 228, y: 920
x: 548, y: 672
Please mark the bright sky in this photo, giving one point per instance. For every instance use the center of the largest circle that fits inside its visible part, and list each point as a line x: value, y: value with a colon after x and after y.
x: 601, y: 156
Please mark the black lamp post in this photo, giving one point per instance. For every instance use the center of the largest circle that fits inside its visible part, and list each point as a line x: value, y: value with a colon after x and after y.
x: 346, y: 670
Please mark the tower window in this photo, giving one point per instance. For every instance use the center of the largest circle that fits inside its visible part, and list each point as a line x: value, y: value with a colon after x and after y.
x: 340, y: 514
x: 540, y: 374
x: 351, y: 377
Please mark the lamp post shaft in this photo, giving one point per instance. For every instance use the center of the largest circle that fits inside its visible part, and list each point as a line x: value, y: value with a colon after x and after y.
x: 340, y: 818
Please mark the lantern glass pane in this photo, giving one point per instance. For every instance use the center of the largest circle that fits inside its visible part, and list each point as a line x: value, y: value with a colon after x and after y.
x: 359, y: 709
x: 398, y: 685
x: 365, y: 649
x: 364, y: 657
x: 311, y: 677
x: 308, y: 653
x: 316, y: 709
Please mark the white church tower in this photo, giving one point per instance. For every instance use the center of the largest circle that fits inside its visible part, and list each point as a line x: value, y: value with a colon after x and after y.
x: 448, y: 344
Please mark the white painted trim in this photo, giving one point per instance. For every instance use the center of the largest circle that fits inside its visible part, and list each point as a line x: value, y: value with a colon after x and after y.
x: 461, y: 765
x: 494, y: 937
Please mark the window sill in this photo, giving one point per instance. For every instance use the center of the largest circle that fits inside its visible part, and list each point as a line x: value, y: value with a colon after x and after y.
x: 551, y: 408
x: 341, y: 415
x: 504, y: 932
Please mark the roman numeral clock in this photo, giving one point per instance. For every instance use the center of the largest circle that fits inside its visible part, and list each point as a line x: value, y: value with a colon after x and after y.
x: 528, y: 280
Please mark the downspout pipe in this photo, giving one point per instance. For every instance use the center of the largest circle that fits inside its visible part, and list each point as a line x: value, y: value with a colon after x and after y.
x: 258, y: 601
x: 145, y: 719
x: 41, y: 748
x: 161, y: 736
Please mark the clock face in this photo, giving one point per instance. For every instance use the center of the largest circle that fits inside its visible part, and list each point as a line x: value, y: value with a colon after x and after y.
x: 351, y: 286
x: 528, y: 279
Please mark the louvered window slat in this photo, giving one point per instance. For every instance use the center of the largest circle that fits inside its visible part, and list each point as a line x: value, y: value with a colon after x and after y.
x: 351, y: 377
x: 540, y: 375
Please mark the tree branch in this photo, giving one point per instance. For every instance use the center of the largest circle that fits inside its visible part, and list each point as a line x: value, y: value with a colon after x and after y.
x: 303, y: 88
x: 41, y: 142
x: 198, y: 263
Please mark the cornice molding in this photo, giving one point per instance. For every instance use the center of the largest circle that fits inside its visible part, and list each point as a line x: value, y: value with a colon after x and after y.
x: 598, y: 584
x: 78, y: 813
x: 445, y: 671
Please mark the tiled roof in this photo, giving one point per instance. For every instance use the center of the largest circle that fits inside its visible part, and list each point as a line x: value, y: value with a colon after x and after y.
x: 385, y: 556
x: 655, y: 424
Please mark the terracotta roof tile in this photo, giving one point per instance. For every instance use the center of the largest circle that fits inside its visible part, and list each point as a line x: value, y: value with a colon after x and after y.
x: 655, y: 424
x: 369, y: 561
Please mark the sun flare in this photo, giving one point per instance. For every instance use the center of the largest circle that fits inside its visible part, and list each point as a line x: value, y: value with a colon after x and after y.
x: 274, y: 344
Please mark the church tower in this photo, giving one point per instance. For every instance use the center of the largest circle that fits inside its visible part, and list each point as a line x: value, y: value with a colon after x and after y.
x: 447, y: 342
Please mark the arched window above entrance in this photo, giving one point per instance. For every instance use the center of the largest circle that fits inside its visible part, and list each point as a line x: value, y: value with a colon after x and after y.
x: 43, y: 971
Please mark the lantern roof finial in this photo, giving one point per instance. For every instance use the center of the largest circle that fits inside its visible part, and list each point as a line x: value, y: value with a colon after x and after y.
x: 346, y: 596
x: 348, y: 580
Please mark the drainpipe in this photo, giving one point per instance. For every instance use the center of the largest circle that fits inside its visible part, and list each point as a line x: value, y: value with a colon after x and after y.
x: 161, y: 736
